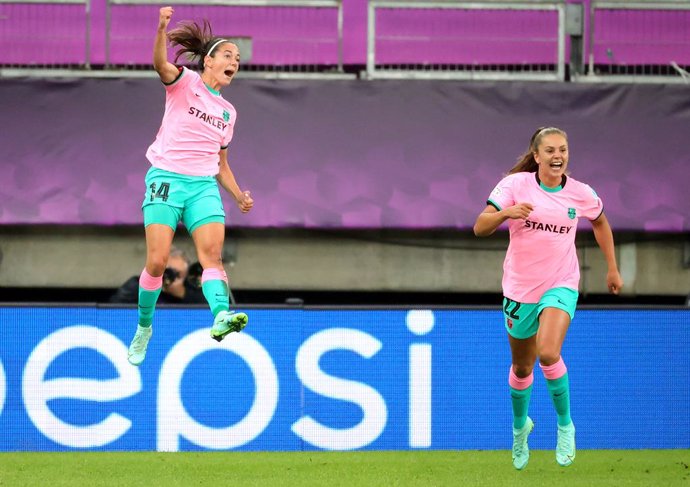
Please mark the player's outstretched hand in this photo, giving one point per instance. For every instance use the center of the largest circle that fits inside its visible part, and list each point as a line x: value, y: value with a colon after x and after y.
x: 165, y: 15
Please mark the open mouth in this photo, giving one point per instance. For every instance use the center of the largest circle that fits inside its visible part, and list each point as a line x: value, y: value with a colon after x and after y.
x: 556, y: 165
x: 229, y: 73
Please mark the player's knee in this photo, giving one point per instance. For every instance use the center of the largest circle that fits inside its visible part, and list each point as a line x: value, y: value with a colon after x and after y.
x: 210, y: 257
x: 523, y: 370
x: 549, y: 356
x: 155, y: 264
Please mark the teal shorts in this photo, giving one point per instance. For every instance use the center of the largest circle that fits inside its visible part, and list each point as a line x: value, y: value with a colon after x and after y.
x: 171, y: 197
x: 522, y: 319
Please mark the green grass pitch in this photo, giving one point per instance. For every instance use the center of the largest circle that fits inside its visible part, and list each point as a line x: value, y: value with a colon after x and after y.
x: 598, y: 468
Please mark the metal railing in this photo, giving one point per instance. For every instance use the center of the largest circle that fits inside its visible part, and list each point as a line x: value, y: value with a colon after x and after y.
x: 616, y: 41
x: 51, y: 36
x: 456, y: 54
x: 640, y: 27
x: 251, y: 36
x: 280, y: 38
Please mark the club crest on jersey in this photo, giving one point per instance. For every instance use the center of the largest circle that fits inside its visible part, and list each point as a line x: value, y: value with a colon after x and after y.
x: 571, y: 213
x: 226, y: 115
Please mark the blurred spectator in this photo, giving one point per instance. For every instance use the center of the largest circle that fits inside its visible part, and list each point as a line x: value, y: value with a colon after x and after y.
x: 181, y: 283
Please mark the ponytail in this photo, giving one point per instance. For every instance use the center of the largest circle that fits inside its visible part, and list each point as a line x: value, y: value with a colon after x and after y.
x: 196, y: 41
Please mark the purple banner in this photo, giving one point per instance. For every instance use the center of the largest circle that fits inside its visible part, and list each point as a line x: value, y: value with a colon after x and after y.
x: 347, y: 154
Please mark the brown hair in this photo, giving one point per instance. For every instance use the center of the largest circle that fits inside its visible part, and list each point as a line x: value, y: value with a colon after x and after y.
x: 195, y: 40
x: 175, y: 252
x: 526, y: 162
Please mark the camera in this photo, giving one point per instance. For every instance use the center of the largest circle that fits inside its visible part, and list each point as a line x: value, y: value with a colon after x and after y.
x: 194, y: 275
x: 169, y: 275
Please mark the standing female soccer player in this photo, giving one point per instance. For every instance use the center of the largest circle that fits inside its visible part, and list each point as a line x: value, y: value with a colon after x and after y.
x: 541, y: 275
x: 189, y: 158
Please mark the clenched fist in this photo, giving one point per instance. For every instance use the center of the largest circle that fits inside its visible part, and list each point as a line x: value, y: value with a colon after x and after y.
x: 165, y: 15
x: 245, y: 203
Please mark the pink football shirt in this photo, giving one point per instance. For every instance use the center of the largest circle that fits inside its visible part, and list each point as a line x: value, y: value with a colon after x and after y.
x: 198, y: 122
x: 541, y: 254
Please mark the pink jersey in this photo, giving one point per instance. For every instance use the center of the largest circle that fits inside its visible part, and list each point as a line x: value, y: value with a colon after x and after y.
x: 542, y: 253
x: 197, y: 124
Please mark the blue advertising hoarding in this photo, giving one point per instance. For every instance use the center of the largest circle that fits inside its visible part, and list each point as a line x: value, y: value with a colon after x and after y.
x: 332, y: 379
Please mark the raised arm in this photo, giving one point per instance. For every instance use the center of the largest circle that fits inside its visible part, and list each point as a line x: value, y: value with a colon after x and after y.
x: 604, y: 238
x: 165, y: 69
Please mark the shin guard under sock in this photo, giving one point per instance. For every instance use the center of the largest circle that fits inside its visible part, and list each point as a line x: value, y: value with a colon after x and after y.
x: 559, y: 389
x: 520, y: 393
x: 149, y: 290
x: 214, y: 284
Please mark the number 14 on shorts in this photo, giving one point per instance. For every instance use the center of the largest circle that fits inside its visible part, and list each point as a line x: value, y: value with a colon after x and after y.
x: 162, y: 192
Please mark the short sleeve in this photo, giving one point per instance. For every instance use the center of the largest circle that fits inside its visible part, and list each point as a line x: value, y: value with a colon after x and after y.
x: 592, y: 204
x: 227, y: 136
x: 502, y: 195
x: 183, y: 79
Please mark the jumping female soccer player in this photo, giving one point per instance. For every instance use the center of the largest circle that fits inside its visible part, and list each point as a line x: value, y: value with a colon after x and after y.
x: 189, y: 158
x: 541, y: 275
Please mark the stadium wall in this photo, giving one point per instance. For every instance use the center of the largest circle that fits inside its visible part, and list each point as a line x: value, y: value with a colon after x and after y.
x: 332, y: 379
x: 293, y: 261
